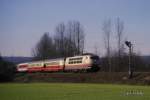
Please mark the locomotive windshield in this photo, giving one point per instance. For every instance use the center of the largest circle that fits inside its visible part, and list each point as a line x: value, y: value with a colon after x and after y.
x: 96, y: 59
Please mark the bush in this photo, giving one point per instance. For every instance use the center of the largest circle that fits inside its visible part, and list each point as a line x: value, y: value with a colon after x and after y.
x: 7, y: 71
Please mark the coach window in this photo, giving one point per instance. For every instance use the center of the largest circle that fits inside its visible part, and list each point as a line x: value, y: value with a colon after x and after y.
x: 74, y: 62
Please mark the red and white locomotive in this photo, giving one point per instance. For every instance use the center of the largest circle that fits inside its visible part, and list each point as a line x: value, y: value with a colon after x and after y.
x: 87, y: 62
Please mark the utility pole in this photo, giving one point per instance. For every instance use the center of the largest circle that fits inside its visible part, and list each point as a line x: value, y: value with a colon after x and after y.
x: 128, y: 44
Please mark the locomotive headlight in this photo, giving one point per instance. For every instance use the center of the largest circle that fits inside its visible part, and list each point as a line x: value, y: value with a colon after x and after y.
x: 85, y: 60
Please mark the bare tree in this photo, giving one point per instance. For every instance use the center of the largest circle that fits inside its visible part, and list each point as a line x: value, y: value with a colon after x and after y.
x: 45, y: 48
x: 59, y: 38
x: 96, y: 49
x: 119, y: 31
x: 76, y: 36
x: 69, y: 39
x: 79, y: 37
x: 107, y: 32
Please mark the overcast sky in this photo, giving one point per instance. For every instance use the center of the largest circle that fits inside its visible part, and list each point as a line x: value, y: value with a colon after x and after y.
x: 23, y: 22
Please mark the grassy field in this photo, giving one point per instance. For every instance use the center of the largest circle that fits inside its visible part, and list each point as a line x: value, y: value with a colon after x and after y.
x: 71, y: 91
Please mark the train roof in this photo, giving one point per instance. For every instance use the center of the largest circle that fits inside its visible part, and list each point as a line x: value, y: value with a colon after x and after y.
x: 54, y: 59
x: 78, y: 56
x: 89, y: 54
x: 42, y: 60
x: 84, y: 54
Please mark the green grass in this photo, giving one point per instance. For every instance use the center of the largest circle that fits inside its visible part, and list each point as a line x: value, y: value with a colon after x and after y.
x: 71, y: 91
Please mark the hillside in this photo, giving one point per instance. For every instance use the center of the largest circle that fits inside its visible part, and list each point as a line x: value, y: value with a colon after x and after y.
x: 17, y: 60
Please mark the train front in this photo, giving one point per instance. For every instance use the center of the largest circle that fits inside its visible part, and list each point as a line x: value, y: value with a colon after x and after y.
x: 95, y: 63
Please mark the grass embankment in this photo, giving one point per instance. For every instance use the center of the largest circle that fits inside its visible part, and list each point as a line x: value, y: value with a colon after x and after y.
x: 139, y: 78
x: 70, y: 91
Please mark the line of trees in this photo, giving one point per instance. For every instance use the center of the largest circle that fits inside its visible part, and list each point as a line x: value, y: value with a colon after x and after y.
x: 69, y: 38
x: 116, y: 59
x: 67, y: 41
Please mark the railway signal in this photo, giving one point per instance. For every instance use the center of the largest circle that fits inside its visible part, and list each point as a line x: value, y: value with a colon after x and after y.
x: 130, y: 46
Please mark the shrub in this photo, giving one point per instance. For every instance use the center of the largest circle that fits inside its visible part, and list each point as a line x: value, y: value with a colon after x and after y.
x: 7, y: 70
